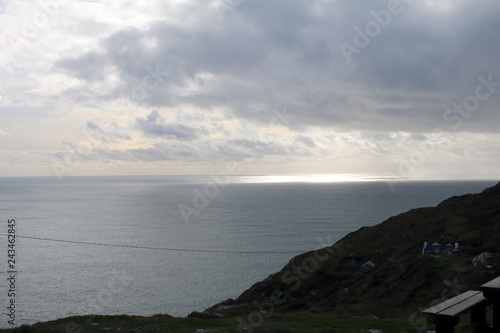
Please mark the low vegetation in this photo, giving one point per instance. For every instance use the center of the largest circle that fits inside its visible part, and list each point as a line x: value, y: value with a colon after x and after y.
x: 403, y: 280
x: 327, y: 291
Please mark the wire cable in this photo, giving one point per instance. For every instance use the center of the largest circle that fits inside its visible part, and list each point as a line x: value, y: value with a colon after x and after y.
x: 156, y: 248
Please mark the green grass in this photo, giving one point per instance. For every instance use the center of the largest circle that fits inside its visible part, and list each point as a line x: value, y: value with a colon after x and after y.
x: 252, y: 322
x: 456, y: 224
x: 158, y: 323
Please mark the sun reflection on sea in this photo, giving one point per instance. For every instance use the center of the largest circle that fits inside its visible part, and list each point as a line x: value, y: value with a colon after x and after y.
x: 315, y: 178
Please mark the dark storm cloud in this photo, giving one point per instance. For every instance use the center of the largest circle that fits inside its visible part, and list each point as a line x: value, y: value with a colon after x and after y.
x: 270, y: 54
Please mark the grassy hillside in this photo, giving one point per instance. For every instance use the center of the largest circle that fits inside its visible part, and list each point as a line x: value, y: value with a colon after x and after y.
x: 292, y: 323
x: 326, y: 290
x: 403, y: 280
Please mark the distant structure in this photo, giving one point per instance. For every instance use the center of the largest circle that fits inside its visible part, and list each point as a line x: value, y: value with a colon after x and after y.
x: 436, y: 248
x: 481, y: 259
x: 367, y: 265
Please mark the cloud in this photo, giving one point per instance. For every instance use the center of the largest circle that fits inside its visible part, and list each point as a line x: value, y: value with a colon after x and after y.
x: 257, y: 148
x: 307, y: 141
x: 155, y: 125
x: 90, y: 67
x: 172, y: 81
x: 3, y: 133
x: 258, y: 58
x: 107, y: 131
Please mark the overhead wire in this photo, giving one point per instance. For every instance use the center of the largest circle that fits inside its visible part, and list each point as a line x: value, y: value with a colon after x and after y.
x: 156, y: 248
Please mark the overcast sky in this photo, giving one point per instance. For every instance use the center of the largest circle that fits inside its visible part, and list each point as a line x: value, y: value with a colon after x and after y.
x: 396, y: 88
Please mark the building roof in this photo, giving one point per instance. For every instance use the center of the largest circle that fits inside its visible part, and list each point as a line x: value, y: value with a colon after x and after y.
x: 438, y: 248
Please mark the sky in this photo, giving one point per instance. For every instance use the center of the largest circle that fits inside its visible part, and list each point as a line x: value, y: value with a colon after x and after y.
x: 407, y: 89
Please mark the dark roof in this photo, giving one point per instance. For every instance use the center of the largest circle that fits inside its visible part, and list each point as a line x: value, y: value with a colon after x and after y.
x: 438, y: 248
x: 367, y: 265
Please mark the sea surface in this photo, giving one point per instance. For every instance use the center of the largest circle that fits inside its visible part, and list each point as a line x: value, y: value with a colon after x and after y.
x: 145, y: 245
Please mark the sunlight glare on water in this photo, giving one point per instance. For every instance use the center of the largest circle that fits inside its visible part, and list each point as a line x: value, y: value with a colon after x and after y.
x: 139, y: 217
x: 314, y: 178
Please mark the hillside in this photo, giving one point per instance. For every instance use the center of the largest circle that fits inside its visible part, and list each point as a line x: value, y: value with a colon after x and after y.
x: 403, y: 281
x: 327, y: 291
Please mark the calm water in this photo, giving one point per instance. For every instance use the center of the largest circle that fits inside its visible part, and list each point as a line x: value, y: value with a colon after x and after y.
x: 58, y: 279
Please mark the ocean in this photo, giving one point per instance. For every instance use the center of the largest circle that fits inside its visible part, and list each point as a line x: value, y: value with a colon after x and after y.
x: 146, y: 245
